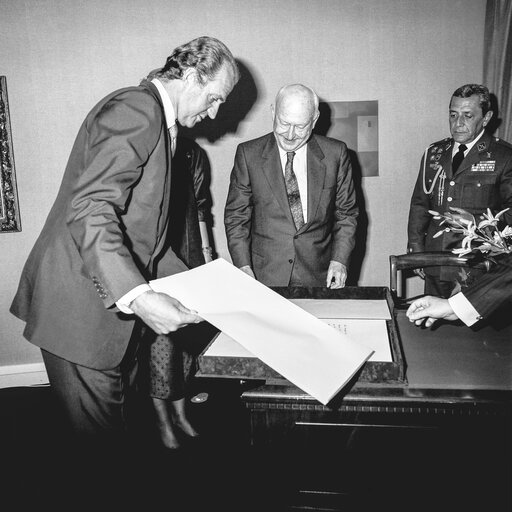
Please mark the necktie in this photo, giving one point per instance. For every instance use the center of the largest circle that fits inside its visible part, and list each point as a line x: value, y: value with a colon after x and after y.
x: 457, y: 159
x: 292, y: 188
x: 173, y: 132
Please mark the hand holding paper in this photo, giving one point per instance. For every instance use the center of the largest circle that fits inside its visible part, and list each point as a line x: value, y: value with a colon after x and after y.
x: 163, y: 313
x: 306, y: 351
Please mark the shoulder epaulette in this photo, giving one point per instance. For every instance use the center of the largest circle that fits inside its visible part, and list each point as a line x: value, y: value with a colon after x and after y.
x: 439, y: 144
x: 497, y: 140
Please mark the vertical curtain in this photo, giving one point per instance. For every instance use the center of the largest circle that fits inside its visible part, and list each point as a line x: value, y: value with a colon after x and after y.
x: 498, y: 61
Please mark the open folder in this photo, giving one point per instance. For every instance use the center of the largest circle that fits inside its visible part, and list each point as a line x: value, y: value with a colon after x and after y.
x: 309, y: 353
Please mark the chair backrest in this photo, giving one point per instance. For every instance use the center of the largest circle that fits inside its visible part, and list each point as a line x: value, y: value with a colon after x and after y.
x: 415, y: 260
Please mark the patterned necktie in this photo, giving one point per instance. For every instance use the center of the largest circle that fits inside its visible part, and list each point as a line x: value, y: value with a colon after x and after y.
x: 292, y: 188
x: 173, y: 132
x: 457, y: 159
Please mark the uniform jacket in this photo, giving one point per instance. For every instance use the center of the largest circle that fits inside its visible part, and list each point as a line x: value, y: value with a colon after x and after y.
x: 103, y: 234
x: 259, y: 225
x: 483, y: 180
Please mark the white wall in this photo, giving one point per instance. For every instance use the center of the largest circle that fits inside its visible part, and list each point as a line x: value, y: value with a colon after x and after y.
x: 61, y: 56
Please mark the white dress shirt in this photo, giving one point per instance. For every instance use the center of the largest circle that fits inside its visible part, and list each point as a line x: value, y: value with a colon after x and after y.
x: 170, y: 119
x: 464, y: 309
x: 469, y: 145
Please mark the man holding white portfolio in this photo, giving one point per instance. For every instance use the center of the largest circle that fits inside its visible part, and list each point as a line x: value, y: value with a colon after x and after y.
x: 303, y: 349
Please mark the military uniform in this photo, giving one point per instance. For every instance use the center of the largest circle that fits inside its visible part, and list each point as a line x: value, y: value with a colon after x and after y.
x: 483, y: 180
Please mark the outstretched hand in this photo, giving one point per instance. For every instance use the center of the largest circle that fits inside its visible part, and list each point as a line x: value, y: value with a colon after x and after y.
x: 429, y: 309
x: 163, y: 313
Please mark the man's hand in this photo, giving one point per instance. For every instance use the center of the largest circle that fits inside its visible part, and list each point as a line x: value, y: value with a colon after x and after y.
x: 336, y: 275
x: 163, y: 313
x: 429, y: 309
x: 248, y: 270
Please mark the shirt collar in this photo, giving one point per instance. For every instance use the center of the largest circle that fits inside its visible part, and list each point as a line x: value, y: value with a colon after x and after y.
x: 170, y: 116
x: 300, y: 151
x: 469, y: 145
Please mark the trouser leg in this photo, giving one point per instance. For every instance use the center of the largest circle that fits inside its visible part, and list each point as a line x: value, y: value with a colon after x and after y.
x: 96, y: 461
x: 434, y: 286
x: 92, y: 400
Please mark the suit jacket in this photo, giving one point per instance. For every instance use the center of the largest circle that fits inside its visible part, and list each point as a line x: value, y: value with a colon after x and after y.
x: 259, y: 224
x: 104, y: 232
x: 483, y: 180
x: 492, y: 289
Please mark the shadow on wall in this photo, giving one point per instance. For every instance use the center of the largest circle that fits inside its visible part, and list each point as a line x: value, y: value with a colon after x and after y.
x: 230, y: 115
x: 356, y: 261
x: 239, y: 103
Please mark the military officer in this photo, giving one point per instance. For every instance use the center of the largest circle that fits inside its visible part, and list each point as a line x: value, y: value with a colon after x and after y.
x: 471, y: 170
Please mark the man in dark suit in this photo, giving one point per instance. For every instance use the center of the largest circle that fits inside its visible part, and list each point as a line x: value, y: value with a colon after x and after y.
x: 290, y: 214
x: 84, y: 292
x: 471, y: 170
x: 477, y: 301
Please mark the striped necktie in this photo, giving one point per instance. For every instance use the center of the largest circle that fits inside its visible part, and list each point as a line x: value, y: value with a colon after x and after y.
x: 292, y: 189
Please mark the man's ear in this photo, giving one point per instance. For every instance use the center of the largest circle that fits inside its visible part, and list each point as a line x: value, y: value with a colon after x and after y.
x: 273, y: 111
x: 487, y: 117
x: 190, y: 76
x: 317, y: 115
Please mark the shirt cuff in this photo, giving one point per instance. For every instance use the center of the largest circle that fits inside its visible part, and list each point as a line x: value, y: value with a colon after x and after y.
x: 124, y: 302
x: 464, y: 309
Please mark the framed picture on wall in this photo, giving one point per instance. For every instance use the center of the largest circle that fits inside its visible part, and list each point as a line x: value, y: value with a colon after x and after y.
x: 357, y: 124
x: 9, y: 209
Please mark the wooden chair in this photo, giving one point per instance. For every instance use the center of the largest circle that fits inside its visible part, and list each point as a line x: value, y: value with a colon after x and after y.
x: 415, y: 260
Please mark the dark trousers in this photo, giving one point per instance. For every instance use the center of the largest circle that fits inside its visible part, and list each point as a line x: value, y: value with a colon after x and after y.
x: 93, y: 401
x: 462, y: 278
x: 96, y: 456
x: 434, y: 286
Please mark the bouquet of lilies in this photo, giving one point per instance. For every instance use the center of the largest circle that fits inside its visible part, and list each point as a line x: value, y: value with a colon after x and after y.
x: 484, y: 236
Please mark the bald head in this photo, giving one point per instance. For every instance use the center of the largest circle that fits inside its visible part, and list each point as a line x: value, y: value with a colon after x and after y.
x: 295, y: 114
x: 297, y: 96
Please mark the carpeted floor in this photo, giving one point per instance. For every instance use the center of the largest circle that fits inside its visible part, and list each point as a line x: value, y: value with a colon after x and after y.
x: 41, y: 470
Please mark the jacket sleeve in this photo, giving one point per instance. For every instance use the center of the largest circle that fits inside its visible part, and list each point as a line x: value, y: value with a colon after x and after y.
x: 119, y: 140
x: 346, y: 211
x: 506, y: 186
x: 492, y: 289
x: 238, y: 211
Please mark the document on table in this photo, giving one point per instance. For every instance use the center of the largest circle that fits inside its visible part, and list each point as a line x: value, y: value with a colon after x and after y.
x: 373, y: 332
x: 360, y: 319
x: 305, y: 350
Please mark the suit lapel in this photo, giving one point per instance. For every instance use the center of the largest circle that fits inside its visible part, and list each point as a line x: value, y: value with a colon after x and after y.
x: 273, y: 172
x: 163, y: 219
x: 316, y: 177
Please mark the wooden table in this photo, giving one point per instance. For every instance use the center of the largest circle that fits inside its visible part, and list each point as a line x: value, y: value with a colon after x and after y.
x: 440, y: 441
